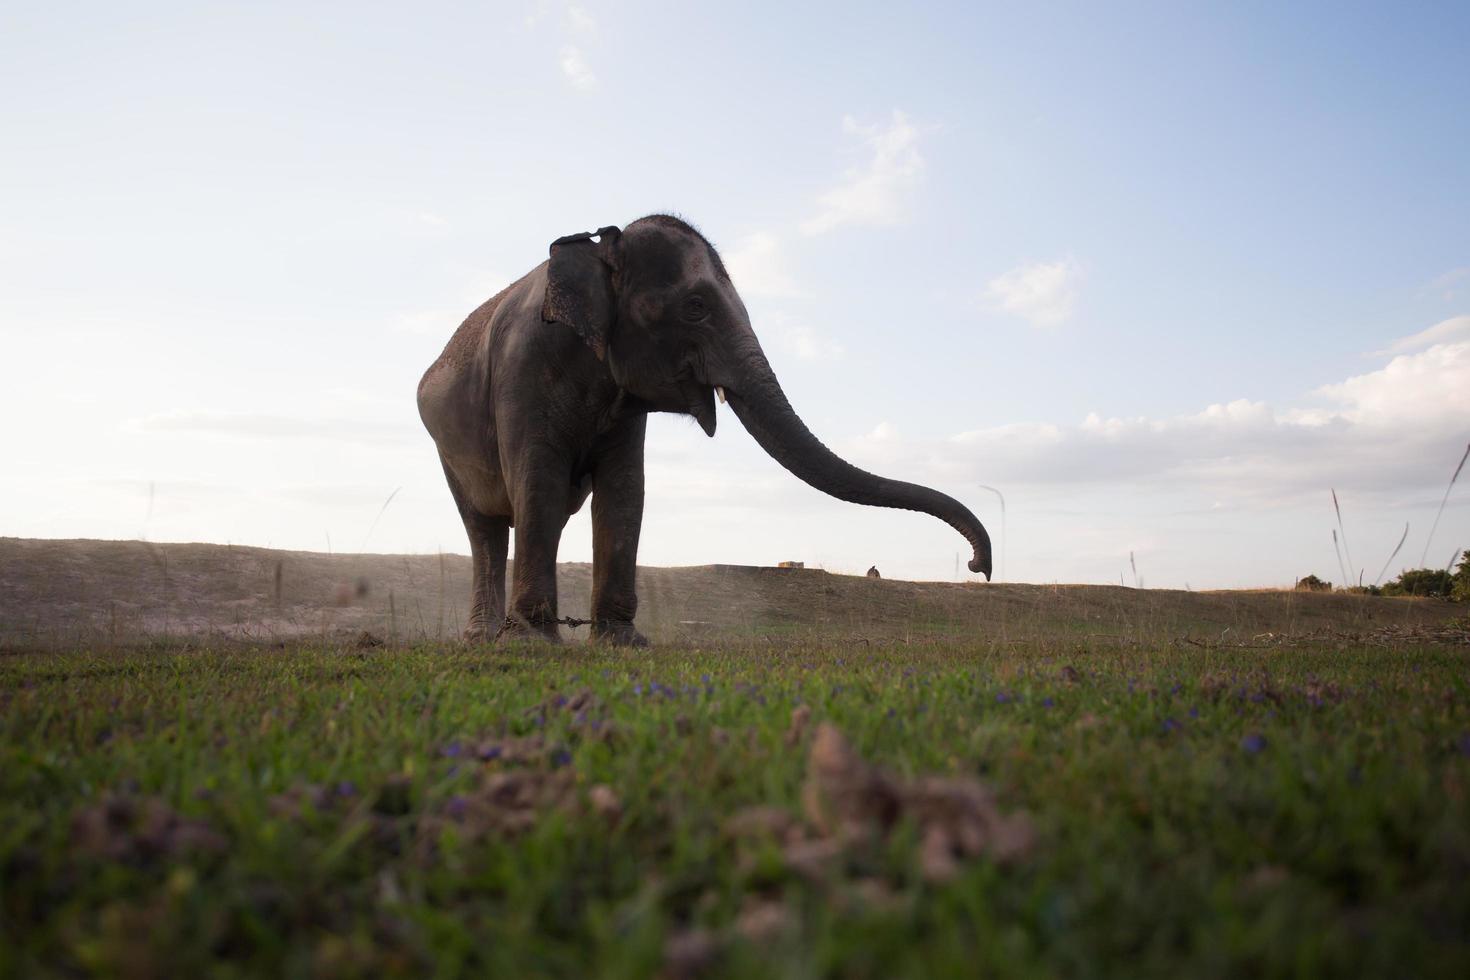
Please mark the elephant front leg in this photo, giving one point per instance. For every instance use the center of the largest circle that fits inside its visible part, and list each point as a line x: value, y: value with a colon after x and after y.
x: 489, y: 539
x: 541, y: 513
x: 617, y: 519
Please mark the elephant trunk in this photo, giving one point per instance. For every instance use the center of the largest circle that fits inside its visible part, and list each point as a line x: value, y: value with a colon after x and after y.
x: 761, y: 405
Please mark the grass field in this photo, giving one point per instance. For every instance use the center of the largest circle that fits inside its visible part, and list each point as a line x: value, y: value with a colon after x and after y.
x: 1072, y: 807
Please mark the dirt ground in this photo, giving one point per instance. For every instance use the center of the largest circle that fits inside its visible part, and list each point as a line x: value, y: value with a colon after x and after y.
x: 55, y: 593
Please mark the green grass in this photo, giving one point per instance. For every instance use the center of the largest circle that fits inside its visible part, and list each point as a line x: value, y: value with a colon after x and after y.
x: 1197, y: 812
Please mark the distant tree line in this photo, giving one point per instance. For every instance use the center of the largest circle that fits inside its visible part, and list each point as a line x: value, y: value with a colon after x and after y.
x: 1430, y: 583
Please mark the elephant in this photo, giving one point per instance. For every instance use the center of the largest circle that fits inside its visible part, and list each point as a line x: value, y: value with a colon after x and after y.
x: 541, y: 398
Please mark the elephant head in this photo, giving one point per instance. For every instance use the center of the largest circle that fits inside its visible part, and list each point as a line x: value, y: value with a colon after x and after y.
x: 655, y: 302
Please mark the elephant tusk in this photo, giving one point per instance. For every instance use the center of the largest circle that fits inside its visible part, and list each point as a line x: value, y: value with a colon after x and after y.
x: 720, y: 393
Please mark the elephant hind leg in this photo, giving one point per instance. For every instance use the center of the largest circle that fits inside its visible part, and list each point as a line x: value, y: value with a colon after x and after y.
x: 489, y: 542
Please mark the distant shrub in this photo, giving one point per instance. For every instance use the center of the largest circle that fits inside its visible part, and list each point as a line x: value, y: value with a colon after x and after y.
x: 1460, y: 590
x: 1363, y: 590
x: 1433, y: 583
x: 1311, y: 583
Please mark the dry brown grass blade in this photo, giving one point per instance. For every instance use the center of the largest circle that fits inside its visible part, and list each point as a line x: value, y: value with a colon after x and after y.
x: 1444, y: 500
x: 1349, y: 552
x: 1001, y: 497
x: 374, y: 525
x: 1340, y: 566
x: 1392, y: 556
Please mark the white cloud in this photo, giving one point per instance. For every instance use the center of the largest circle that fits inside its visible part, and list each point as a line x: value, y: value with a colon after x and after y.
x: 1448, y: 285
x: 878, y: 193
x: 1455, y: 328
x: 536, y: 13
x: 1045, y: 293
x: 801, y: 339
x: 759, y: 267
x: 580, y: 19
x: 1393, y: 430
x: 575, y: 68
x: 1413, y: 390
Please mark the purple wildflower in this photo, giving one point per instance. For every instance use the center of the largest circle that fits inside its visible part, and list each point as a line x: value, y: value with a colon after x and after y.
x: 1194, y: 712
x: 1253, y: 743
x: 452, y: 750
x: 1048, y: 703
x: 1002, y: 697
x: 456, y: 806
x: 560, y: 758
x: 489, y: 753
x: 1170, y: 725
x: 1463, y: 744
x: 346, y: 788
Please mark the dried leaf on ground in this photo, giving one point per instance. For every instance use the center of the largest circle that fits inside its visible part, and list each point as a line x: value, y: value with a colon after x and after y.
x: 773, y: 822
x: 690, y: 953
x: 506, y: 803
x: 814, y: 858
x: 763, y: 920
x: 583, y: 702
x: 125, y: 828
x: 801, y: 716
x: 843, y: 795
x: 605, y: 803
x: 850, y: 801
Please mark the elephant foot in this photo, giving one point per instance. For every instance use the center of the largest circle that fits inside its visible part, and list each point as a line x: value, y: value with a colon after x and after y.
x: 518, y: 630
x: 618, y: 635
x: 478, y: 634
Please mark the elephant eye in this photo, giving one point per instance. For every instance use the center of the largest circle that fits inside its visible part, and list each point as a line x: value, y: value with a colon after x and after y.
x: 694, y: 309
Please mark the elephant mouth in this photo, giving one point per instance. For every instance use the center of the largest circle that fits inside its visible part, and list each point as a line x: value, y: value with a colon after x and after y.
x: 702, y: 407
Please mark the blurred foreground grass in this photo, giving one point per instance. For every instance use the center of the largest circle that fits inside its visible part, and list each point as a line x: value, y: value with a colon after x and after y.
x: 526, y: 811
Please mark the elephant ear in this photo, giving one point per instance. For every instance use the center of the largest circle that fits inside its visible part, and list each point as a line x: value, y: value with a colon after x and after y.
x: 579, y: 285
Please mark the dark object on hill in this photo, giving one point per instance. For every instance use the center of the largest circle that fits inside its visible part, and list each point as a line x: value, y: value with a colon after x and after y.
x: 1311, y: 583
x: 873, y: 572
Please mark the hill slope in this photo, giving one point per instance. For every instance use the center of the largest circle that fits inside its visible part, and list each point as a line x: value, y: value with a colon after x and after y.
x: 64, y: 592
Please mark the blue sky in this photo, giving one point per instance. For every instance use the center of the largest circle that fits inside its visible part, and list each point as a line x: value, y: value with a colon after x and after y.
x: 1162, y: 276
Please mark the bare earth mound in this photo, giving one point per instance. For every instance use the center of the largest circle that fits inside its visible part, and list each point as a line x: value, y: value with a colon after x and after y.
x: 64, y: 592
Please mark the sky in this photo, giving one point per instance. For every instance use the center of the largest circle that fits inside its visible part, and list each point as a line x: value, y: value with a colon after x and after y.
x: 1165, y: 278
